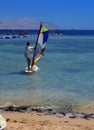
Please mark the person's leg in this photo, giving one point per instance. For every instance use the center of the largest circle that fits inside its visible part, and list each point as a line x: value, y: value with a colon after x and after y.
x: 28, y: 62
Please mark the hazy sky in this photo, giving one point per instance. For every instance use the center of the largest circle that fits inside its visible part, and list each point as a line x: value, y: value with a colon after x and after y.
x: 68, y: 14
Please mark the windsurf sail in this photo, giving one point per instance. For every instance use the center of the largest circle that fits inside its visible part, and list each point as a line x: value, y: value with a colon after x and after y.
x: 40, y: 44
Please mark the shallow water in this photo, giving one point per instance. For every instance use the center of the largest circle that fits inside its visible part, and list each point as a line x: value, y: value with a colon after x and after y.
x: 66, y: 76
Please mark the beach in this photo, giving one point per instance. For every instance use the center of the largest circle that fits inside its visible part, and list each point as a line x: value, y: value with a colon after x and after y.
x: 41, y: 121
x: 42, y: 118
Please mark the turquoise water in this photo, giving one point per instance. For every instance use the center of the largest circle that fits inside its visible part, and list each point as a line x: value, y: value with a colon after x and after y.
x: 66, y: 75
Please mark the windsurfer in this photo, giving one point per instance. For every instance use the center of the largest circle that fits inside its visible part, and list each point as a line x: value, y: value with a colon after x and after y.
x: 27, y: 52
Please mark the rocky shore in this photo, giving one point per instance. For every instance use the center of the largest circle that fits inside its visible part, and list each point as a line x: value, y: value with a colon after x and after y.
x: 48, y: 111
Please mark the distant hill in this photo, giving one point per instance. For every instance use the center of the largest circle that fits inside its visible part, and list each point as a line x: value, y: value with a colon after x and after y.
x: 25, y: 23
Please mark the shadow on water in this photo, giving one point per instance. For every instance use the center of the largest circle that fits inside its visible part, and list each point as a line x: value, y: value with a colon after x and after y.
x: 20, y: 73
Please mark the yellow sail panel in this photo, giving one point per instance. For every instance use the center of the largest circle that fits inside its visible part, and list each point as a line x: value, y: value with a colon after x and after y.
x: 37, y: 58
x: 44, y: 29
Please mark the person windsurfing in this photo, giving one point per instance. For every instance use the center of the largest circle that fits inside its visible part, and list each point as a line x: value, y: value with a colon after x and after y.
x: 28, y: 50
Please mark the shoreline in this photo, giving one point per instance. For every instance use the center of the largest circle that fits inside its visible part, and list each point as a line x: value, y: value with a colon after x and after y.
x: 87, y: 107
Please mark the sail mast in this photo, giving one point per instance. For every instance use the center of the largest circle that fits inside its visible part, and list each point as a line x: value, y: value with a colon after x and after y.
x: 34, y: 54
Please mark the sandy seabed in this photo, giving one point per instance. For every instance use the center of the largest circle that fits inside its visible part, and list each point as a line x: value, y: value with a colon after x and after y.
x: 41, y: 121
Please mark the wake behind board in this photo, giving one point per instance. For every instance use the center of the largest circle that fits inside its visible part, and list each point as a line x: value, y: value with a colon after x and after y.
x: 34, y: 69
x: 2, y: 123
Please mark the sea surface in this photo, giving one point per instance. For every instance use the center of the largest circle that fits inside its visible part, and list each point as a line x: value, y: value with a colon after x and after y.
x: 65, y: 78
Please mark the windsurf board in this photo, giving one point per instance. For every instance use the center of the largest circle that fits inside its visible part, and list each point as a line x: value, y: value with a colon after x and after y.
x: 35, y: 68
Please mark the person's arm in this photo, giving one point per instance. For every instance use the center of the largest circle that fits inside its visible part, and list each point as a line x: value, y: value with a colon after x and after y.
x: 31, y: 48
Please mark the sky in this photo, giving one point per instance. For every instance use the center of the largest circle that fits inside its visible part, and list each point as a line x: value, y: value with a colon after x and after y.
x: 67, y: 14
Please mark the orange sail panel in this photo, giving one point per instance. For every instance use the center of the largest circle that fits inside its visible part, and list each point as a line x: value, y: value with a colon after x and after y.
x: 37, y: 58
